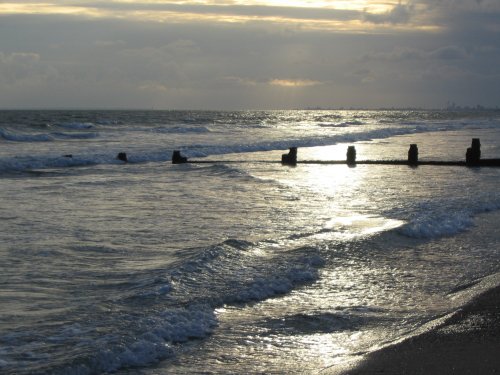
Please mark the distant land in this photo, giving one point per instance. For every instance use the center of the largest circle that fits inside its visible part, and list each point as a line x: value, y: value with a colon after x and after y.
x: 449, y: 107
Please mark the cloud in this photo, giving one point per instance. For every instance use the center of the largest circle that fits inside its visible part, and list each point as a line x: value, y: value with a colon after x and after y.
x: 293, y: 82
x: 413, y: 53
x: 405, y: 54
x: 241, y: 81
x: 461, y: 5
x: 449, y: 53
x: 399, y: 14
x: 462, y: 16
x: 23, y: 67
x: 154, y: 87
x: 168, y: 11
x: 109, y: 43
x: 334, y: 17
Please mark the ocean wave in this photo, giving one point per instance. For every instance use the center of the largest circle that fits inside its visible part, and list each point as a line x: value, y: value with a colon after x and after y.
x: 437, y: 226
x: 239, y: 272
x: 310, y: 324
x: 41, y: 137
x: 441, y: 224
x: 343, y: 124
x: 76, y: 125
x: 26, y: 164
x: 109, y: 353
x: 199, y: 150
x: 234, y: 271
x: 19, y: 137
x: 182, y: 130
x: 75, y: 135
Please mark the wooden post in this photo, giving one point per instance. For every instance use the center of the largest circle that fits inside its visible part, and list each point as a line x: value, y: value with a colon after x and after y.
x: 122, y: 156
x: 473, y: 154
x: 177, y: 158
x: 290, y: 158
x: 413, y: 155
x: 351, y: 155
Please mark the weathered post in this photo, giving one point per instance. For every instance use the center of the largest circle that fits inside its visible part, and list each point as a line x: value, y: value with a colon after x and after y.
x: 351, y: 155
x: 473, y: 154
x: 122, y: 156
x: 177, y: 158
x: 290, y: 158
x: 413, y: 155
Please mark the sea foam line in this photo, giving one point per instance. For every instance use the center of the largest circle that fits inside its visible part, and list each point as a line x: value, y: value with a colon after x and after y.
x: 161, y: 154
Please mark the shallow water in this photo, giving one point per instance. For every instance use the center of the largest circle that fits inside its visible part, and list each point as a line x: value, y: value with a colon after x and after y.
x: 247, y: 267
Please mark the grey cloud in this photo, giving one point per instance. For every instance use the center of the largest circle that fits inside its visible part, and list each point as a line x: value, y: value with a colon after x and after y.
x: 399, y: 54
x: 449, y: 53
x: 22, y: 68
x: 67, y: 61
x: 232, y: 10
x: 399, y: 14
x: 109, y: 43
x: 464, y: 5
x: 463, y: 16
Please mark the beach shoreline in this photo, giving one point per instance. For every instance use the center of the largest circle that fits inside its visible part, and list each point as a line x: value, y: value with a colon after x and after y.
x: 464, y: 342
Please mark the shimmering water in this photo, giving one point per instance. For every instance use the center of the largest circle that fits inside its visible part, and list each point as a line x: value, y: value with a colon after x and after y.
x: 249, y: 267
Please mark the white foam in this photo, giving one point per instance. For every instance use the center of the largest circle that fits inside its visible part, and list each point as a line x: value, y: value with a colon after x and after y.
x: 40, y: 163
x: 19, y: 137
x: 160, y: 153
x: 244, y: 274
x: 155, y: 344
x: 434, y: 225
x: 43, y: 137
x: 146, y: 350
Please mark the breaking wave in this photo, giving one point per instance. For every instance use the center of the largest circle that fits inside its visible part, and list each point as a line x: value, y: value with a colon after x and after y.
x: 43, y: 137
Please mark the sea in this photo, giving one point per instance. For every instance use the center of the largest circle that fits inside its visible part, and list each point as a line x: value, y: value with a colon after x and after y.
x: 234, y: 263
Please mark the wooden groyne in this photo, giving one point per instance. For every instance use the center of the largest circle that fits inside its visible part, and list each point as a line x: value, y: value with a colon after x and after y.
x: 472, y: 159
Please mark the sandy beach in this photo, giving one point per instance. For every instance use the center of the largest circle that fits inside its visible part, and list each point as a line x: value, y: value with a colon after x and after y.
x: 467, y: 342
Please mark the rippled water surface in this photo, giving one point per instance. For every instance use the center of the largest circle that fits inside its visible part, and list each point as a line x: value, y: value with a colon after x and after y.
x: 241, y: 265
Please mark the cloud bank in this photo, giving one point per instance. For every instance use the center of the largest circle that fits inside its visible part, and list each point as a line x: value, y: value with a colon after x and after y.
x: 240, y: 55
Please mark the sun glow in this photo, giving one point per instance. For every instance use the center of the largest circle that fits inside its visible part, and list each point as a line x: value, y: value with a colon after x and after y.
x: 358, y: 16
x: 106, y: 8
x: 294, y: 82
x: 360, y: 5
x: 48, y: 8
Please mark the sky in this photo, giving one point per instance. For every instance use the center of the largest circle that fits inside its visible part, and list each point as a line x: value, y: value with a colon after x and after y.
x: 242, y: 54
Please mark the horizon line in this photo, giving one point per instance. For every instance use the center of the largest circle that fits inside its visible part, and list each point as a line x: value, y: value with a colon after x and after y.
x: 403, y: 108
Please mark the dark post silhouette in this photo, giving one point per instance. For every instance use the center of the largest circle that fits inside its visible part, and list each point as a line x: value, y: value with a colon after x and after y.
x: 413, y: 155
x: 122, y: 156
x: 473, y: 154
x: 351, y: 155
x: 290, y: 158
x: 177, y: 158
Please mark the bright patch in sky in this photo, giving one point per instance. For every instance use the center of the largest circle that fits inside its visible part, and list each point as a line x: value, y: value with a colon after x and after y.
x: 103, y: 8
x: 46, y: 8
x: 360, y: 5
x: 335, y: 16
x: 294, y: 82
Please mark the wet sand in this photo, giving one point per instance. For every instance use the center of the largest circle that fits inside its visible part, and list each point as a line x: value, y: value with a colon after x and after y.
x: 467, y: 342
